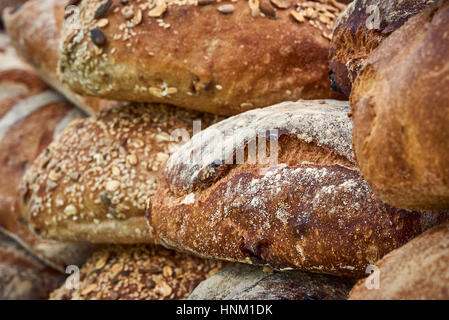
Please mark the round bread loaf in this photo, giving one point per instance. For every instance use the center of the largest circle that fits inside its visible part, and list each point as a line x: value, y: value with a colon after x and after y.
x: 138, y: 273
x: 400, y: 106
x: 306, y: 208
x: 22, y: 276
x: 359, y: 30
x: 218, y: 57
x: 35, y: 30
x: 93, y: 183
x: 244, y: 282
x: 31, y: 116
x: 417, y: 270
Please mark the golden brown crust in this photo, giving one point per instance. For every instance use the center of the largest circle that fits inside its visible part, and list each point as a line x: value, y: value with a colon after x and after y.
x: 353, y: 41
x: 139, y: 273
x: 198, y: 56
x: 418, y: 270
x: 22, y: 276
x: 92, y: 184
x: 35, y: 31
x: 400, y: 108
x: 311, y: 211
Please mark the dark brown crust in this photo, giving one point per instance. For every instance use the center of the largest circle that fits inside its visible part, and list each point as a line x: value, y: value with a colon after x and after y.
x: 22, y: 276
x: 35, y: 32
x: 139, y: 273
x: 400, y: 108
x: 207, y: 60
x: 318, y: 216
x: 92, y: 183
x: 417, y: 271
x: 353, y: 42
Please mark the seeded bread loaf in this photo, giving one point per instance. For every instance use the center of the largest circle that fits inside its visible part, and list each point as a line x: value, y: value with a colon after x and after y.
x: 306, y: 208
x: 35, y: 32
x: 400, y: 105
x: 418, y: 270
x: 244, y: 282
x: 139, y: 273
x: 93, y: 183
x: 31, y: 115
x: 22, y: 276
x: 218, y: 57
x: 359, y: 31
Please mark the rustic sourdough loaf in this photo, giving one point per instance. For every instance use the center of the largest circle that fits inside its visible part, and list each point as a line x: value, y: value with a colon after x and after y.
x: 244, y: 282
x: 356, y: 35
x: 31, y: 115
x: 218, y: 57
x: 400, y: 105
x: 418, y: 270
x: 311, y: 210
x: 93, y: 183
x: 139, y: 273
x: 35, y: 32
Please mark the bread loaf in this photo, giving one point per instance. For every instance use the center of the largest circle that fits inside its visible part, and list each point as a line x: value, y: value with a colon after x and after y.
x: 417, y: 270
x: 222, y: 58
x: 22, y: 276
x: 35, y: 32
x: 308, y: 208
x: 31, y: 115
x: 400, y: 108
x: 138, y: 273
x: 358, y: 32
x: 244, y: 282
x: 93, y: 183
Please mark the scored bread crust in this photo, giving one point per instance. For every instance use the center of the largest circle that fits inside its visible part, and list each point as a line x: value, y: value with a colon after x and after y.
x: 141, y: 272
x: 419, y: 270
x: 353, y: 41
x: 35, y: 30
x: 197, y: 57
x: 400, y: 105
x: 311, y: 211
x: 92, y: 184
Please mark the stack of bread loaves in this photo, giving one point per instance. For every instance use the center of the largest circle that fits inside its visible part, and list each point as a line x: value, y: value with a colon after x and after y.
x: 233, y: 146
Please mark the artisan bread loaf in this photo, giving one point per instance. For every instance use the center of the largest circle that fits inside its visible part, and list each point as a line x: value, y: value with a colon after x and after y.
x: 35, y: 30
x: 31, y: 115
x: 222, y: 58
x: 244, y: 282
x: 417, y: 270
x: 93, y: 183
x: 307, y: 208
x: 400, y: 105
x: 138, y: 273
x: 22, y: 276
x: 359, y: 30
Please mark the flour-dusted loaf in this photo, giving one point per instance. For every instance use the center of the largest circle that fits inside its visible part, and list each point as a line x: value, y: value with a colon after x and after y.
x: 93, y: 183
x: 244, y: 282
x: 22, y: 275
x: 359, y: 31
x: 419, y: 270
x: 35, y: 30
x: 219, y: 57
x: 124, y: 272
x: 31, y: 116
x: 400, y: 106
x: 311, y: 210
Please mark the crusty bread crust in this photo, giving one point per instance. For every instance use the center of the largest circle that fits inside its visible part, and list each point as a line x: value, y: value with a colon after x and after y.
x: 197, y: 56
x: 353, y: 42
x: 139, y: 273
x: 92, y: 184
x: 35, y: 32
x: 419, y: 270
x: 312, y: 211
x: 400, y: 108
